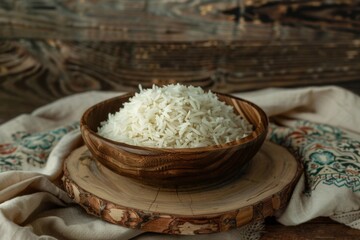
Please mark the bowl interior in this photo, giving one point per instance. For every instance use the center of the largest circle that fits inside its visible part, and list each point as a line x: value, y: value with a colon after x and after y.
x: 100, y: 112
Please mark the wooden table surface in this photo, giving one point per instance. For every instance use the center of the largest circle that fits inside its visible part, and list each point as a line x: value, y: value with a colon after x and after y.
x: 50, y: 49
x: 319, y: 228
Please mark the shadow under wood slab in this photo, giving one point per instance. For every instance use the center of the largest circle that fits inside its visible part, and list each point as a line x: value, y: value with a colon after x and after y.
x: 262, y: 190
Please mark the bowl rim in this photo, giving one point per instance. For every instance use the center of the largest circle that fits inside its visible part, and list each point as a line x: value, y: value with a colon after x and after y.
x: 242, y: 141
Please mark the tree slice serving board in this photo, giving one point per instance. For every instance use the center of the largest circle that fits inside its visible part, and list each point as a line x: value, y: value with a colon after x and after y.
x: 261, y: 190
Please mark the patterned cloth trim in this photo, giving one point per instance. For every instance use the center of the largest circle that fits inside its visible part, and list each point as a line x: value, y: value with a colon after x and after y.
x: 31, y: 148
x: 329, y: 155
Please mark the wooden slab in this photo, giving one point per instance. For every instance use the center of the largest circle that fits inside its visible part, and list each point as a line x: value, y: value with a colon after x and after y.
x: 262, y: 190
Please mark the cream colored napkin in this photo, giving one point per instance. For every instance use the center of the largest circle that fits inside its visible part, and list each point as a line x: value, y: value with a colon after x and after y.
x: 32, y: 206
x: 322, y: 126
x: 33, y: 147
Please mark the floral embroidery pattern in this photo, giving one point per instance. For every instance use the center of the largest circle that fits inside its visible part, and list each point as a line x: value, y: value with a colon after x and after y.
x: 329, y: 155
x: 30, y: 148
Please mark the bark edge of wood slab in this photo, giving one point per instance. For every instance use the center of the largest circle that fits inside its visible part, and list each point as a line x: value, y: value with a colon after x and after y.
x: 262, y: 190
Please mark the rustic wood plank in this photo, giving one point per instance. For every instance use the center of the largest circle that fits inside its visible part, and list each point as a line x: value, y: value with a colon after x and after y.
x: 319, y: 228
x: 50, y: 49
x: 188, y: 20
x: 35, y: 72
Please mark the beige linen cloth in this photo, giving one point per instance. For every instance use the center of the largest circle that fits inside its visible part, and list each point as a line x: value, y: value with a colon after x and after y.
x: 34, y: 146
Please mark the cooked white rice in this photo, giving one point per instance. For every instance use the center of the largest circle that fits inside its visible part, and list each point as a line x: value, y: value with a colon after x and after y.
x: 174, y: 116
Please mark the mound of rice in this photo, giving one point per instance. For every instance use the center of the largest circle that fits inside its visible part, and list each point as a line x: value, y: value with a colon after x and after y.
x: 174, y: 116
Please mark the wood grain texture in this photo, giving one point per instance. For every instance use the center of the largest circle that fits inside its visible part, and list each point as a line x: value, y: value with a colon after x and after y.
x: 262, y: 190
x: 168, y: 167
x: 50, y: 49
x: 317, y: 229
x: 178, y: 20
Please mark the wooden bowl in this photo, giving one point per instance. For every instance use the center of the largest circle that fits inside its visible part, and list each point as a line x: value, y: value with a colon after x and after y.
x: 174, y: 167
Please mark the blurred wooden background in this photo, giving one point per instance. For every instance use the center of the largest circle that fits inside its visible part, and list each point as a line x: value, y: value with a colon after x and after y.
x: 50, y: 49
